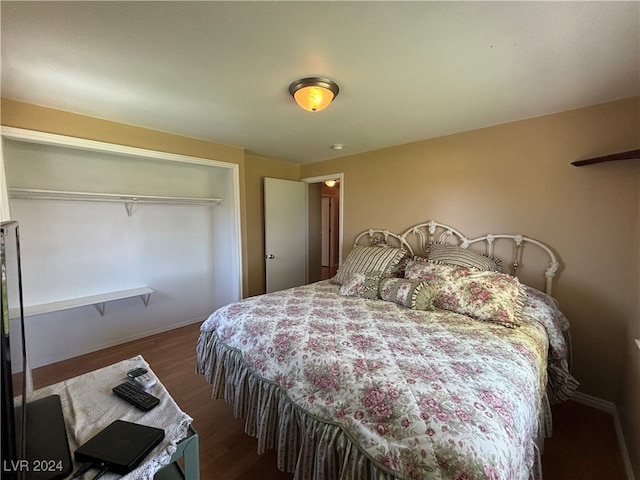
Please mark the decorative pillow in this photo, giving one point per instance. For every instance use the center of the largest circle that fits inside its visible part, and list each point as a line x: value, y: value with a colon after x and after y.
x: 368, y: 259
x: 425, y: 297
x: 398, y: 269
x: 363, y: 285
x: 419, y: 268
x: 445, y: 253
x: 487, y: 296
x: 409, y: 293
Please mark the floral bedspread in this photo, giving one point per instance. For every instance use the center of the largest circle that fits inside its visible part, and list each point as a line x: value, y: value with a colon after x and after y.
x: 421, y: 394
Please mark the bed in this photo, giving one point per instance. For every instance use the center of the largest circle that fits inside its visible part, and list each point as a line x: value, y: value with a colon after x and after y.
x: 420, y: 359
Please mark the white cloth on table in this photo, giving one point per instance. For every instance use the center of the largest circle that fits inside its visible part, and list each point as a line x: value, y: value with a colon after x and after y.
x: 89, y: 405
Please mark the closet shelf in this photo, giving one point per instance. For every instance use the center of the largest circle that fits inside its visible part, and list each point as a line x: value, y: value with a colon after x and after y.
x: 99, y: 301
x: 630, y: 155
x: 128, y: 200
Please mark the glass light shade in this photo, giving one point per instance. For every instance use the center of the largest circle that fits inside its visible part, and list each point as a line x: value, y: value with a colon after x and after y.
x: 314, y: 93
x: 314, y: 99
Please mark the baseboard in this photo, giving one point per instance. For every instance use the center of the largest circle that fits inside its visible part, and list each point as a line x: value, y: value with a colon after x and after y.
x: 610, y: 408
x: 595, y: 402
x: 80, y: 349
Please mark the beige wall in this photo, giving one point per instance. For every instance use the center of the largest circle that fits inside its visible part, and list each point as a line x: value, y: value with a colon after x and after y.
x: 257, y: 168
x: 252, y: 169
x: 518, y: 178
x: 34, y: 117
x: 42, y: 119
x: 515, y: 177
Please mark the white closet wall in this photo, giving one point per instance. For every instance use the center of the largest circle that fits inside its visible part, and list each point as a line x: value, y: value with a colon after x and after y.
x: 188, y: 254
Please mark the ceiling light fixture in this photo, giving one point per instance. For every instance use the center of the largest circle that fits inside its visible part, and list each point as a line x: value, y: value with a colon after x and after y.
x: 330, y: 183
x: 314, y: 93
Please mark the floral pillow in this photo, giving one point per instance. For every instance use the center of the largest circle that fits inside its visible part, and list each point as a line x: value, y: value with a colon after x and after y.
x: 488, y: 296
x: 363, y: 285
x: 373, y: 285
x: 419, y: 268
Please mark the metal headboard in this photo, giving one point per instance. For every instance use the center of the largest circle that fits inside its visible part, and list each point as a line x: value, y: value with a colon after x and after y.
x: 416, y: 241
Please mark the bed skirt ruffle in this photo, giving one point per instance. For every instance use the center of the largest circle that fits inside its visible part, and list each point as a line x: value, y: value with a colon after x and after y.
x: 308, y: 447
x: 561, y: 385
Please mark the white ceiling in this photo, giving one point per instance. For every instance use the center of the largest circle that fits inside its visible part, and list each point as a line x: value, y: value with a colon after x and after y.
x: 407, y: 71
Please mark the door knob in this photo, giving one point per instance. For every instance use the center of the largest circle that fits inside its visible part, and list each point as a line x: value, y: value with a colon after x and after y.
x: 271, y: 256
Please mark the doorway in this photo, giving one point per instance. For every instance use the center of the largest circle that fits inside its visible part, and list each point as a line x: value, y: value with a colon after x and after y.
x: 325, y: 225
x: 330, y: 201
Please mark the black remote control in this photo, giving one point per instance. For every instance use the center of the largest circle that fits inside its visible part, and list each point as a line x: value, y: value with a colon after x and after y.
x: 136, y: 396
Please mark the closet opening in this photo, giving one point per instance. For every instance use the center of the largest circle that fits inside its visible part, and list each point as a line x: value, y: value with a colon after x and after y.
x: 112, y: 223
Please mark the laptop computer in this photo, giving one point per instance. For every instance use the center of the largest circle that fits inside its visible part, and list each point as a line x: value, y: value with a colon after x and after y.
x: 120, y: 447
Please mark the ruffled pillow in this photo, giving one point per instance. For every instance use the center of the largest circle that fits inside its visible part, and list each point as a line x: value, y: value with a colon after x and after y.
x: 409, y: 293
x: 448, y: 254
x: 488, y: 296
x: 368, y: 259
x: 363, y: 285
x: 373, y: 285
x: 419, y: 268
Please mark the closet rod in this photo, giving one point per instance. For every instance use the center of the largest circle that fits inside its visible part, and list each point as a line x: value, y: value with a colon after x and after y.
x: 34, y: 194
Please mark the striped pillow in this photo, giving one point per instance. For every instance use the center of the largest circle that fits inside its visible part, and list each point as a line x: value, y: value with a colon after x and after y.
x: 368, y: 259
x: 409, y: 293
x: 446, y: 254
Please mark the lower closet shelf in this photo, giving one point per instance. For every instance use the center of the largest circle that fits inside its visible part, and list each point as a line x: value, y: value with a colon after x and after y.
x: 99, y: 301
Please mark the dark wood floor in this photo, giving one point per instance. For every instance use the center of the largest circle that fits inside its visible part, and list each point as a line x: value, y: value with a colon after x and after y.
x: 584, y: 445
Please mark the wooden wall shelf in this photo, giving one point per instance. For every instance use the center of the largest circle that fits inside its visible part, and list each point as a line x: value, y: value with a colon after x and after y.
x: 630, y: 155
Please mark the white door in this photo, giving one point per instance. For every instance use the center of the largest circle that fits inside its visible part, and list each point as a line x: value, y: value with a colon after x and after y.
x: 285, y: 226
